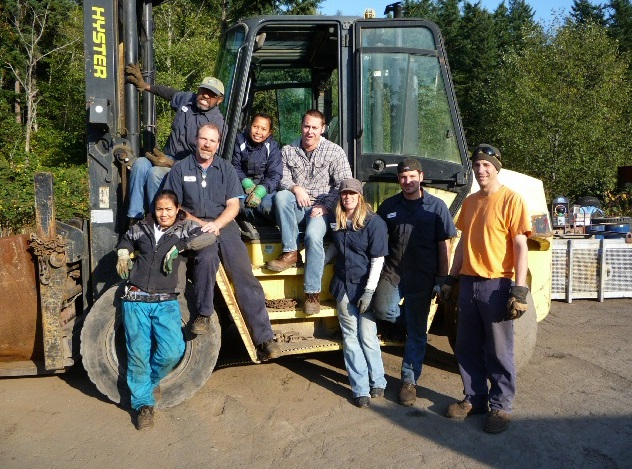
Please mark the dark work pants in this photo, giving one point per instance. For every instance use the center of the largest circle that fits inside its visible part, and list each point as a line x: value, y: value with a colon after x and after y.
x: 248, y: 290
x: 484, y: 342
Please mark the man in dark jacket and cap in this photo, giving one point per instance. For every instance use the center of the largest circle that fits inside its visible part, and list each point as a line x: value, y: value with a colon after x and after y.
x: 192, y: 111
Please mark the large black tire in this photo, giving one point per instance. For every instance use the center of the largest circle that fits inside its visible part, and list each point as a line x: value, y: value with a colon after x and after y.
x: 104, y: 355
x: 525, y: 329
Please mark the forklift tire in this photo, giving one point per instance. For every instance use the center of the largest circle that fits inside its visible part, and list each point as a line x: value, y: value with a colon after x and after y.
x: 525, y: 328
x: 104, y: 354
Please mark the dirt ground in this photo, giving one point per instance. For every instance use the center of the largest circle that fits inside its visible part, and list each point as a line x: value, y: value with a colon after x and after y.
x: 573, y: 409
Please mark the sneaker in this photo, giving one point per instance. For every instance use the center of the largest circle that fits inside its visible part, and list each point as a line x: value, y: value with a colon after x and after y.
x: 376, y: 392
x: 269, y: 350
x: 285, y: 261
x: 145, y: 418
x: 362, y: 401
x: 201, y: 325
x: 497, y: 421
x: 407, y: 394
x: 312, y: 303
x: 462, y: 409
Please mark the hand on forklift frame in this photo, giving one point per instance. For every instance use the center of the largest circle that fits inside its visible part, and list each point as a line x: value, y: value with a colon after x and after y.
x: 134, y: 76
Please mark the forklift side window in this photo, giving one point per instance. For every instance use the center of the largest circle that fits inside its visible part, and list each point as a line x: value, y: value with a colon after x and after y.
x: 413, y: 38
x: 227, y: 61
x: 405, y: 107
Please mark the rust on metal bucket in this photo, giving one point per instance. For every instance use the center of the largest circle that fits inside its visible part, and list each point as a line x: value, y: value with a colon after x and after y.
x: 20, y: 327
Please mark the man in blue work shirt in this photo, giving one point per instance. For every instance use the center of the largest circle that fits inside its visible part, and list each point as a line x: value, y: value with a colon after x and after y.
x: 419, y: 230
x: 209, y: 190
x: 192, y: 111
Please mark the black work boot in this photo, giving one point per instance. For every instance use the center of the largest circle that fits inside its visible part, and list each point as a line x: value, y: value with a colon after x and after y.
x: 269, y: 350
x: 407, y: 394
x: 497, y: 421
x: 145, y: 418
x: 201, y: 325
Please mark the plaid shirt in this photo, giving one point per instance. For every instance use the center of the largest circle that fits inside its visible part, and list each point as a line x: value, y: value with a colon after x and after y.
x: 319, y: 175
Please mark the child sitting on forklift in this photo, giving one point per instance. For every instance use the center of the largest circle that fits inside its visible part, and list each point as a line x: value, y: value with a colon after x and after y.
x: 257, y: 159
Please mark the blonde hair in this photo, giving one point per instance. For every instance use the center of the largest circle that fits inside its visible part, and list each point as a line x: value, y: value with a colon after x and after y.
x: 358, y: 218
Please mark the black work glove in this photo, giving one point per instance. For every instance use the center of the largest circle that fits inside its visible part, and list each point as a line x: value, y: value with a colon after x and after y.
x: 517, y: 303
x: 446, y: 288
x: 134, y: 76
x: 158, y: 158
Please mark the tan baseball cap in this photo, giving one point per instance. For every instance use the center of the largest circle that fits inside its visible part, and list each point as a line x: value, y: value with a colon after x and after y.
x: 213, y: 84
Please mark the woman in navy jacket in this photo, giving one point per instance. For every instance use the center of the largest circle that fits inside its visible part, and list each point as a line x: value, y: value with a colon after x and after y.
x: 361, y: 241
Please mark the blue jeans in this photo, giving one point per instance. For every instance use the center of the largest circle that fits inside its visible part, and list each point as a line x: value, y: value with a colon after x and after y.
x: 289, y: 215
x: 485, y: 342
x: 361, y: 349
x: 415, y: 310
x: 145, y: 180
x: 263, y: 212
x: 146, y: 367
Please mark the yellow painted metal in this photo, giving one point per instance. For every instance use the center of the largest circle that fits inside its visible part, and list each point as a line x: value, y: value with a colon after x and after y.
x: 226, y: 287
x: 327, y: 309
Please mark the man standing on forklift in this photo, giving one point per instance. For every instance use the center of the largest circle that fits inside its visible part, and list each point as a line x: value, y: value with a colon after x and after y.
x: 210, y: 189
x: 192, y: 111
x: 313, y: 168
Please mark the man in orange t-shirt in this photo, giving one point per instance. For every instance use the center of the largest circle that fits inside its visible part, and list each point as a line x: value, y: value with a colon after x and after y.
x: 493, y: 247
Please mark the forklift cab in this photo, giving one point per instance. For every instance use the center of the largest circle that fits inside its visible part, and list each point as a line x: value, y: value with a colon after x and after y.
x: 383, y: 85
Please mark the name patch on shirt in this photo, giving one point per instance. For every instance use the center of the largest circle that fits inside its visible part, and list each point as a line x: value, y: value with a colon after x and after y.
x: 391, y: 215
x: 184, y: 108
x: 189, y: 178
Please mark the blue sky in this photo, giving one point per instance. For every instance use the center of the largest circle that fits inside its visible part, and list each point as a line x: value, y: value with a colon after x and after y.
x: 544, y: 9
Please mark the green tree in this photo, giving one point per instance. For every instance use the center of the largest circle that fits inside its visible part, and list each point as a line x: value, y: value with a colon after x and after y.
x: 476, y: 59
x: 583, y: 12
x: 620, y: 23
x: 559, y: 110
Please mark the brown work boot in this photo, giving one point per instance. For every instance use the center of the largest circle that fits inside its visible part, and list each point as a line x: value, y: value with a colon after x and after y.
x: 145, y: 418
x: 285, y: 261
x: 462, y: 409
x: 407, y: 394
x: 497, y: 421
x: 269, y: 350
x: 312, y: 303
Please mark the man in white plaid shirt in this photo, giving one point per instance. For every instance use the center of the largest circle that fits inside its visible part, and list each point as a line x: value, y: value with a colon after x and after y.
x: 313, y: 168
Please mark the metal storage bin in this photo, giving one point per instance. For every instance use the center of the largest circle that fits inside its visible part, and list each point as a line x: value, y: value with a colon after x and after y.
x: 591, y: 268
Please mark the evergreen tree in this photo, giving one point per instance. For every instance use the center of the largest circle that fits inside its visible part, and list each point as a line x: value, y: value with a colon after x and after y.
x: 583, y: 12
x: 620, y: 23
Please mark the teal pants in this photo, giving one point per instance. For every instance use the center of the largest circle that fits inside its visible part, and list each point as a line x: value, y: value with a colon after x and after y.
x: 155, y: 344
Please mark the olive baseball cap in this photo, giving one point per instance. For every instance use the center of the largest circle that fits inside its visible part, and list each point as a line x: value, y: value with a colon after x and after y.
x: 213, y: 84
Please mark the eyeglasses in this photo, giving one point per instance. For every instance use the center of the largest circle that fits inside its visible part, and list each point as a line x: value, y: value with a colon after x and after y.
x: 488, y: 151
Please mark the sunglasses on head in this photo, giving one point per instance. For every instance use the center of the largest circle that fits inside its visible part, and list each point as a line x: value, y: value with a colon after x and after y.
x: 488, y: 151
